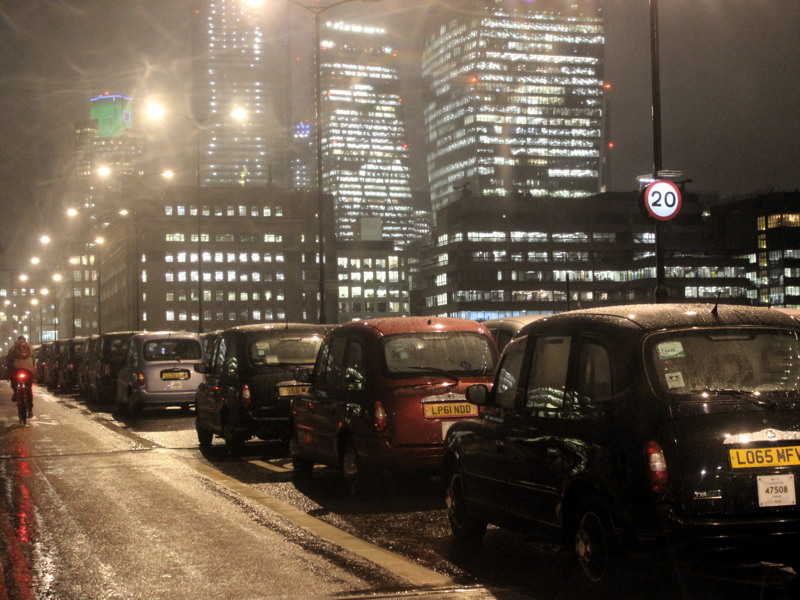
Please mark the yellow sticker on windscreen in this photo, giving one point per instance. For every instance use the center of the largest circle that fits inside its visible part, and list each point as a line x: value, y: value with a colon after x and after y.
x: 667, y: 350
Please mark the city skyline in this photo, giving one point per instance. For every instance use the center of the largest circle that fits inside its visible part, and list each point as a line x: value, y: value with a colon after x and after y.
x: 729, y: 121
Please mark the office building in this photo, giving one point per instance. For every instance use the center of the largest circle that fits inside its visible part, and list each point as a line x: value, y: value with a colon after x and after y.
x: 239, y: 102
x: 203, y: 262
x: 514, y: 94
x: 364, y: 148
x: 519, y: 257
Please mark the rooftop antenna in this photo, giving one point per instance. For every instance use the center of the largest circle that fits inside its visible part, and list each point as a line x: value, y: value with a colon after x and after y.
x: 715, y: 310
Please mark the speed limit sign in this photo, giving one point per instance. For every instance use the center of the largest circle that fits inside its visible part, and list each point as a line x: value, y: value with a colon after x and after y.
x: 662, y: 199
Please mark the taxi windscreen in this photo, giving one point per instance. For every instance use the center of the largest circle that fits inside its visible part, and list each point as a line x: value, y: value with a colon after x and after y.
x: 721, y: 360
x: 450, y: 352
x: 285, y: 348
x: 172, y: 349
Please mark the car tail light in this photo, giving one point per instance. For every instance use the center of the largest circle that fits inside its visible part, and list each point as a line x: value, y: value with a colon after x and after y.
x: 246, y: 398
x: 380, y: 420
x: 140, y: 378
x: 657, y: 467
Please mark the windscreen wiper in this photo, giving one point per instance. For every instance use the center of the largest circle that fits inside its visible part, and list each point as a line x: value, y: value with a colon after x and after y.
x: 746, y: 394
x: 439, y: 371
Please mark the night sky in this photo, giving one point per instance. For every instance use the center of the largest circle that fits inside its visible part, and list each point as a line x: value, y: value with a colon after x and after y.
x: 730, y: 79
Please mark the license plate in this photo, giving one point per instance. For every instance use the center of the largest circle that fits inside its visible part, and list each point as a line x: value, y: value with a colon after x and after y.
x: 450, y: 410
x: 745, y: 458
x: 293, y: 390
x: 776, y: 490
x: 166, y: 375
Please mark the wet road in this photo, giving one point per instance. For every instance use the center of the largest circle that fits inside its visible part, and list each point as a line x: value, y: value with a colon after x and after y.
x: 96, y: 507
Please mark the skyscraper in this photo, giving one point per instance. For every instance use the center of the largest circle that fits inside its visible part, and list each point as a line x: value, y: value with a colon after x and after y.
x: 106, y: 140
x: 514, y: 98
x: 365, y: 154
x: 240, y: 104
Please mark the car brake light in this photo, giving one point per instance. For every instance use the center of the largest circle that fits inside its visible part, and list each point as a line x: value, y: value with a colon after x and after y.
x: 380, y: 419
x: 657, y: 465
x: 140, y: 378
x: 246, y: 399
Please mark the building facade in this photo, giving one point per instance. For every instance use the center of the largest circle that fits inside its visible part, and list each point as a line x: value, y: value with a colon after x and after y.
x: 765, y: 230
x: 520, y: 257
x: 240, y: 108
x: 365, y: 154
x: 514, y: 95
x: 226, y: 257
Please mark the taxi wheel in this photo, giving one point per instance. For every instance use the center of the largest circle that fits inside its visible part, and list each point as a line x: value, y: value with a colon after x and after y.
x: 464, y: 527
x: 352, y: 470
x: 204, y: 437
x: 594, y: 543
x: 303, y: 467
x: 233, y: 442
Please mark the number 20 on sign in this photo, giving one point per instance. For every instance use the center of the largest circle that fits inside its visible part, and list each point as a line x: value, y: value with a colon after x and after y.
x: 662, y: 199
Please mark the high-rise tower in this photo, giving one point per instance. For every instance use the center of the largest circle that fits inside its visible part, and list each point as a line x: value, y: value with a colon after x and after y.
x: 513, y: 98
x: 239, y: 99
x: 108, y: 141
x: 364, y: 149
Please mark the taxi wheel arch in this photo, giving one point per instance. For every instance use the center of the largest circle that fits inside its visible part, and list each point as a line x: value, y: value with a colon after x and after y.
x: 351, y: 466
x: 303, y: 467
x: 593, y: 538
x: 463, y: 525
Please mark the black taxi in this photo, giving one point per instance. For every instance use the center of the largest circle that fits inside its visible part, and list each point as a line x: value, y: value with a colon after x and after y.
x: 249, y: 381
x: 614, y: 428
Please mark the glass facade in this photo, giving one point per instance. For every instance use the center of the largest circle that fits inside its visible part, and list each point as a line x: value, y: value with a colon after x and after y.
x: 515, y: 99
x: 365, y: 153
x: 240, y: 108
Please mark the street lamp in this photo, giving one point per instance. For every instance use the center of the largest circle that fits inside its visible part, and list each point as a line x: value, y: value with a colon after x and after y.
x: 317, y: 10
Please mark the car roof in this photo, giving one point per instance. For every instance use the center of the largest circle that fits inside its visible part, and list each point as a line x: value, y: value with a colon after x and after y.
x: 394, y: 325
x: 256, y: 327
x: 149, y: 335
x: 653, y: 317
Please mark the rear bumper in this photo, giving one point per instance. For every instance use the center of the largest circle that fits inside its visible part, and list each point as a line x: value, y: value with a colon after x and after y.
x: 270, y: 428
x: 756, y: 535
x: 182, y: 398
x: 379, y: 454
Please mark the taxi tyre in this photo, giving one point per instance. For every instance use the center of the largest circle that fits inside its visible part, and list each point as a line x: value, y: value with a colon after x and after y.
x: 463, y: 526
x: 355, y: 478
x: 204, y: 436
x: 234, y: 442
x: 594, y: 542
x: 303, y: 467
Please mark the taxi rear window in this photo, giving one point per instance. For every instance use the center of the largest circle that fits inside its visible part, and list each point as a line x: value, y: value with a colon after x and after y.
x: 724, y: 360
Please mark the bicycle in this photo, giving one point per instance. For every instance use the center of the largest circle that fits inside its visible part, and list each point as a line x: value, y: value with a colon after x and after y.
x: 22, y: 394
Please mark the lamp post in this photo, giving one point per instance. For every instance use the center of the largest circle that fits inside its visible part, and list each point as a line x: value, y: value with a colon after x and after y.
x: 661, y: 293
x: 316, y: 11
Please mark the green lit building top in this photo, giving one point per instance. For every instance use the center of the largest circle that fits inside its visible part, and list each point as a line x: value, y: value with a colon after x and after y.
x: 113, y: 114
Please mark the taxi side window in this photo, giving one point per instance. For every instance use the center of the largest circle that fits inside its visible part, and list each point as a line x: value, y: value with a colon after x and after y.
x: 329, y: 375
x: 548, y: 376
x: 354, y: 372
x: 593, y: 379
x: 219, y: 356
x: 508, y: 375
x: 230, y: 362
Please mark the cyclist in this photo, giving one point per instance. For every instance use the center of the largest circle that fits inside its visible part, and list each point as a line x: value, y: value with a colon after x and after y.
x: 20, y: 358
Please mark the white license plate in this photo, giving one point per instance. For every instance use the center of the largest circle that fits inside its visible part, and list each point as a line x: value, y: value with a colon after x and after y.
x: 776, y: 490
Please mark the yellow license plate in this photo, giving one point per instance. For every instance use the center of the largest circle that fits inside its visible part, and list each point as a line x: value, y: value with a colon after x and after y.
x: 745, y: 458
x: 450, y: 410
x: 293, y: 390
x: 175, y: 375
